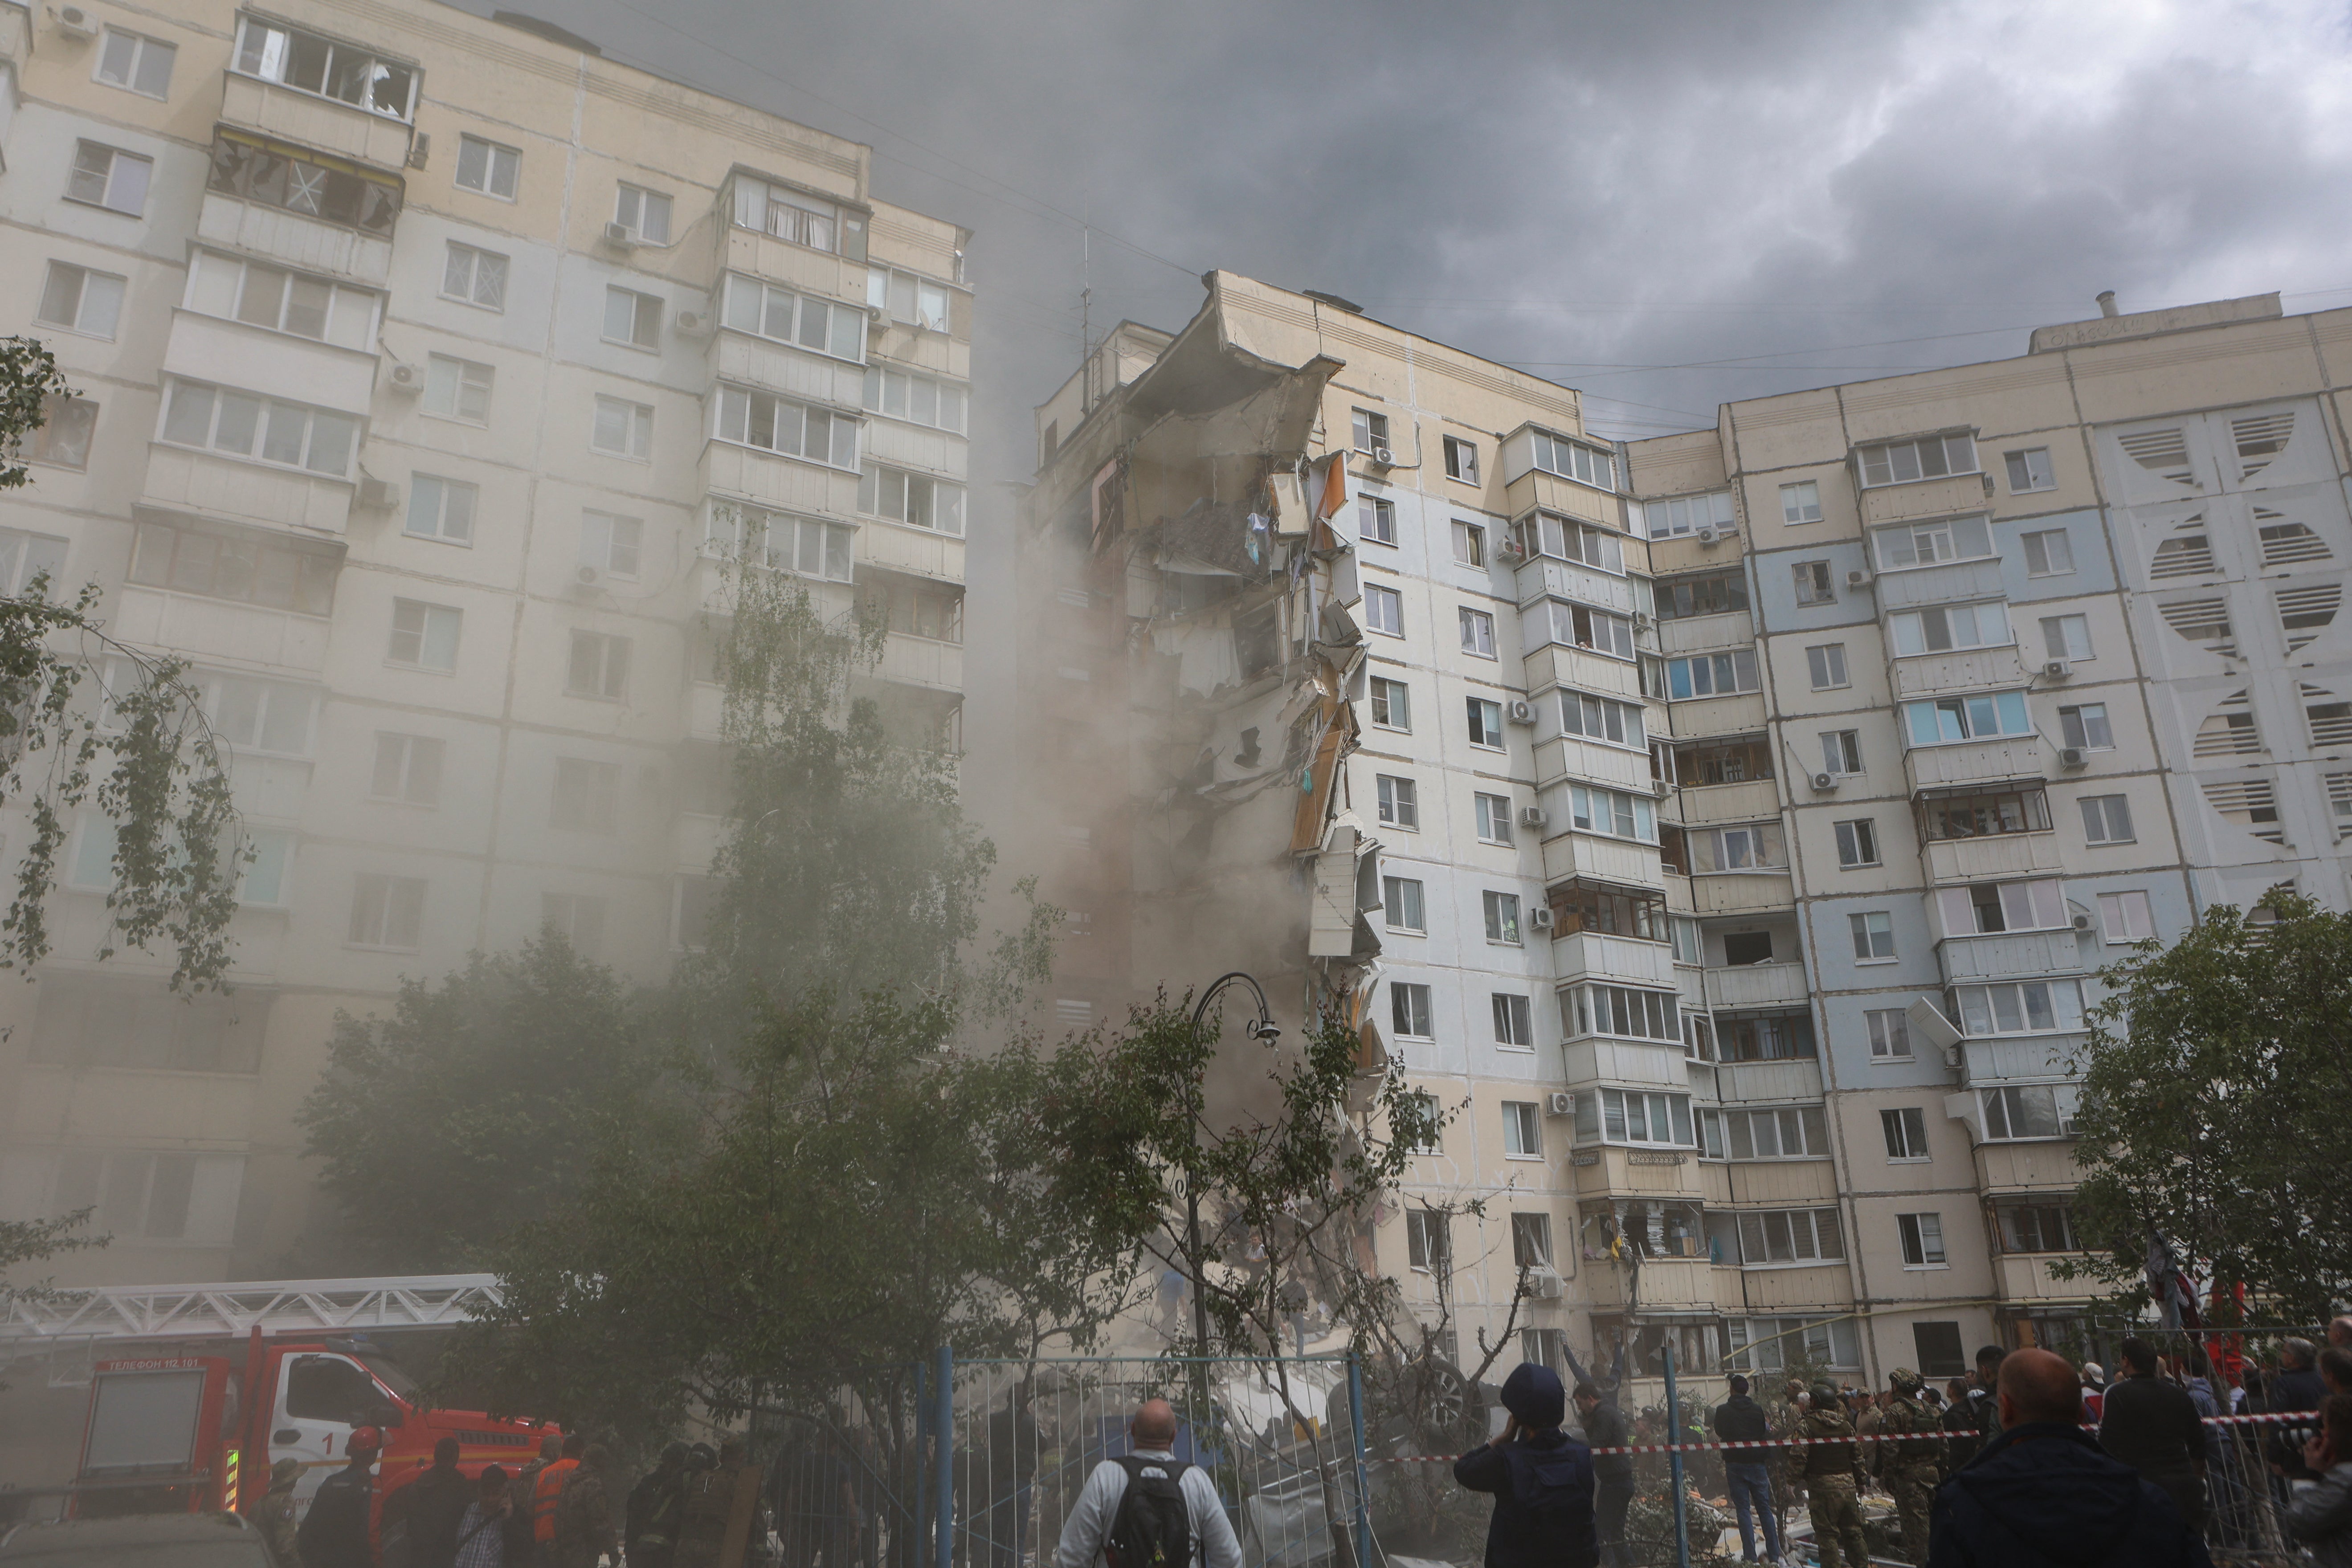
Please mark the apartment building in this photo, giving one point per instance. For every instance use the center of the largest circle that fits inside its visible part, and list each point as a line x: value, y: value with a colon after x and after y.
x: 429, y: 370
x: 1728, y: 827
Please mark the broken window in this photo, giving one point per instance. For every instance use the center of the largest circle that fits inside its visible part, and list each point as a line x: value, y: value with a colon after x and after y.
x: 1461, y: 460
x: 1370, y: 431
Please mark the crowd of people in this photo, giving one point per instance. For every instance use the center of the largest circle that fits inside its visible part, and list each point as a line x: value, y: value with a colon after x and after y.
x: 2029, y: 1462
x: 563, y: 1509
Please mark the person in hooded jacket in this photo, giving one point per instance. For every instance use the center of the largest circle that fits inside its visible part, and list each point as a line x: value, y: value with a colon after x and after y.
x: 2321, y: 1516
x: 1541, y: 1480
x: 2042, y: 1494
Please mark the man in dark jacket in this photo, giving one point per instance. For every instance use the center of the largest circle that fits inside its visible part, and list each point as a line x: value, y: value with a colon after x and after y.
x: 1612, y: 1474
x: 334, y: 1533
x: 2296, y: 1386
x: 1748, y: 1471
x: 2153, y: 1426
x: 1540, y: 1476
x: 2043, y: 1495
x: 655, y: 1505
x: 425, y: 1513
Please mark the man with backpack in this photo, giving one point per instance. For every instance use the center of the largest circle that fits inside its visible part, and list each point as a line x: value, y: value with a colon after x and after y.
x: 1541, y: 1479
x: 1147, y: 1508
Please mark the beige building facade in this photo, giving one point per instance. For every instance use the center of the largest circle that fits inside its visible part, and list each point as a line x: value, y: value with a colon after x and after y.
x: 1726, y: 827
x: 429, y: 370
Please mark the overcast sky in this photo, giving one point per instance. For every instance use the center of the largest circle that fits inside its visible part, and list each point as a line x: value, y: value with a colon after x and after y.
x: 1570, y: 187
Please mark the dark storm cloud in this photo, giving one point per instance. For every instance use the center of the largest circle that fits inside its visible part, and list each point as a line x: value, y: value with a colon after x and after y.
x: 1573, y: 187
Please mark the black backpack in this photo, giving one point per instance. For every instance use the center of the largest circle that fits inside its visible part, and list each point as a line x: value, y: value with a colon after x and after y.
x: 1152, y: 1529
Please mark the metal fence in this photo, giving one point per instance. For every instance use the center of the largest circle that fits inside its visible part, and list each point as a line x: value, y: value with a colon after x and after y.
x: 978, y: 1464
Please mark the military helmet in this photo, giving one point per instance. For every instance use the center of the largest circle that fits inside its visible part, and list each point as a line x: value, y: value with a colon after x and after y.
x: 1825, y: 1394
x: 1904, y: 1380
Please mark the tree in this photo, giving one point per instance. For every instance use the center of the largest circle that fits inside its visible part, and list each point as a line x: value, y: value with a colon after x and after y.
x: 477, y: 1105
x: 2213, y: 1085
x: 30, y: 1241
x: 141, y: 755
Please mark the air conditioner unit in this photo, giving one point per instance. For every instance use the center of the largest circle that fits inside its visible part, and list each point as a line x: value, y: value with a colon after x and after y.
x: 420, y: 149
x: 76, y: 23
x: 587, y: 576
x: 1533, y: 816
x: 1705, y: 536
x: 1540, y: 917
x: 1521, y: 710
x: 1825, y: 781
x: 620, y: 237
x: 1512, y: 549
x: 2072, y: 757
x: 1544, y: 1285
x: 407, y: 378
x: 1383, y: 459
x: 379, y: 495
x: 1643, y: 620
x: 2081, y: 922
x: 1857, y: 578
x: 876, y: 315
x: 1559, y: 1102
x: 2056, y: 668
x: 1662, y: 788
x: 693, y: 323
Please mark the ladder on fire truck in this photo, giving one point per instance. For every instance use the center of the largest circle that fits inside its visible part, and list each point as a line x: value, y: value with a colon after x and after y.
x: 81, y: 1318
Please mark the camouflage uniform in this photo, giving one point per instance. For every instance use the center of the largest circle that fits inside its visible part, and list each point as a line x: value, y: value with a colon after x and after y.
x: 275, y: 1516
x: 1910, y: 1456
x: 1833, y: 1478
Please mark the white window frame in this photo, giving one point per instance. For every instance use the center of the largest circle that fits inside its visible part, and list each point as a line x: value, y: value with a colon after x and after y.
x: 877, y: 482
x: 1501, y: 910
x: 343, y: 302
x: 1522, y: 1130
x: 737, y: 411
x: 639, y: 228
x: 268, y: 411
x: 584, y: 796
x: 453, y: 506
x: 428, y: 617
x: 1376, y: 519
x: 1823, y: 1230
x: 1483, y: 721
x: 2038, y: 476
x: 1580, y: 461
x: 1477, y: 632
x: 1399, y: 802
x: 1948, y: 540
x: 2068, y: 638
x: 752, y: 305
x: 1514, y: 1019
x: 1842, y: 752
x: 1745, y: 674
x: 1383, y: 610
x: 1826, y: 667
x: 472, y: 276
x: 607, y: 539
x: 1411, y: 1011
x: 1392, y: 705
x: 645, y: 312
x: 2075, y: 726
x: 1461, y: 458
x: 1603, y: 720
x: 1677, y: 516
x: 1369, y: 430
x: 1881, y: 463
x: 459, y: 378
x: 262, y: 56
x: 1957, y: 627
x: 1404, y: 898
x: 950, y: 401
x: 637, y: 444
x: 2012, y: 719
x: 1904, y: 1129
x: 605, y: 657
x: 2039, y: 544
x: 1800, y: 502
x: 496, y: 158
x: 1872, y: 932
x: 1857, y: 843
x: 2127, y: 917
x: 396, y: 922
x: 135, y: 63
x: 403, y: 752
x: 1813, y: 584
x: 2107, y: 819
x: 1889, y: 1032
x: 121, y: 185
x: 1491, y: 814
x: 1469, y: 544
x: 83, y: 320
x: 1921, y: 1235
x: 2063, y: 998
x: 2004, y: 1104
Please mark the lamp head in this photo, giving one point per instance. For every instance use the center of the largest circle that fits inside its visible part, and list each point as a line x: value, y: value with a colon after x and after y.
x: 1265, y: 1031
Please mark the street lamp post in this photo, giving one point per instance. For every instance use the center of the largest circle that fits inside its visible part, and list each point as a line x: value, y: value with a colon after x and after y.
x: 1267, y: 1032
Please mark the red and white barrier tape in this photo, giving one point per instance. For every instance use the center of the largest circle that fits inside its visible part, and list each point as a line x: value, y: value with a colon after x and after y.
x: 2300, y: 1417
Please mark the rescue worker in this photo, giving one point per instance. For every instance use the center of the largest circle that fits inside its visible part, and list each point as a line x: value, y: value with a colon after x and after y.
x: 654, y: 1504
x: 521, y: 1552
x: 1831, y: 1476
x: 1910, y: 1451
x: 544, y: 1492
x: 334, y: 1533
x: 274, y: 1516
x: 707, y: 1529
x: 584, y: 1512
x: 425, y: 1513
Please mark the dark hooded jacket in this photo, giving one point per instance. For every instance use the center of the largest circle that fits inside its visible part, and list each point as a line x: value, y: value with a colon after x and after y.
x: 2045, y: 1495
x: 1542, y: 1483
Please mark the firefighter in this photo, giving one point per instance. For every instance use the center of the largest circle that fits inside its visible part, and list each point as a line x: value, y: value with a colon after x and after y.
x: 583, y: 1513
x: 1910, y: 1451
x: 655, y: 1505
x: 1831, y: 1475
x: 543, y: 1495
x: 334, y: 1533
x: 275, y: 1516
x: 521, y: 1552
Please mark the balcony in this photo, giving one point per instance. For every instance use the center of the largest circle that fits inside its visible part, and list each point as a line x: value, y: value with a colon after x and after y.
x: 706, y: 702
x: 781, y: 368
x: 299, y: 242
x: 2012, y: 955
x: 1813, y: 1287
x: 800, y: 267
x: 1974, y: 762
x: 788, y: 484
x: 1767, y: 1082
x: 1703, y: 805
x: 694, y: 841
x: 919, y: 661
x: 1946, y: 497
x: 1572, y: 756
x: 1617, y: 861
x: 2031, y: 1278
x: 1954, y: 580
x: 1545, y: 576
x: 1742, y: 893
x: 1670, y: 556
x: 1555, y: 664
x: 206, y: 348
x: 1707, y: 634
x: 1917, y: 675
x: 2024, y: 1168
x: 901, y: 445
x: 1661, y: 1173
x: 1535, y: 488
x: 1665, y: 1284
x: 2017, y: 1058
x: 1589, y: 955
x: 217, y: 628
x: 1739, y: 715
x: 309, y: 121
x: 904, y: 547
x: 232, y: 488
x: 710, y: 579
x: 2000, y: 855
x: 1753, y: 985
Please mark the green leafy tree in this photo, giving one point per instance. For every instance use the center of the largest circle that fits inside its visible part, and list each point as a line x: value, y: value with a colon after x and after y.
x: 477, y: 1104
x: 2214, y: 1081
x: 23, y: 1241
x: 130, y: 745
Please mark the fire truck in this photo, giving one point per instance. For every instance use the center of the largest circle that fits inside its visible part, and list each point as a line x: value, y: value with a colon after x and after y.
x: 255, y: 1373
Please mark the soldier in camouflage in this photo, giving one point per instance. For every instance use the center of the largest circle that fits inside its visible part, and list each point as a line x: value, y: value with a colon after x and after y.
x: 1832, y: 1476
x: 1910, y: 1456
